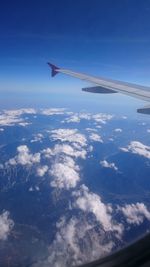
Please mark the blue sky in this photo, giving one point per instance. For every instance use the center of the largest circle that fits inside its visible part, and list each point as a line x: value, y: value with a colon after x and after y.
x: 109, y: 38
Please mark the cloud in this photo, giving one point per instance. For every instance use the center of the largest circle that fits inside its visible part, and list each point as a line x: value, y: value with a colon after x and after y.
x: 24, y: 124
x: 106, y: 164
x: 42, y: 170
x: 65, y: 173
x: 118, y: 130
x: 53, y: 111
x: 77, y: 117
x: 9, y: 120
x: 65, y: 149
x: 135, y: 213
x: 35, y: 188
x: 24, y: 157
x: 98, y: 126
x: 18, y: 112
x: 85, y: 116
x: 74, y: 118
x: 136, y: 147
x: 95, y: 137
x: 64, y: 169
x: 80, y: 240
x: 6, y: 225
x: 13, y: 117
x: 90, y: 129
x: 68, y: 135
x: 77, y: 242
x: 91, y: 203
x: 124, y: 117
x: 98, y: 118
x: 37, y: 138
x: 101, y: 117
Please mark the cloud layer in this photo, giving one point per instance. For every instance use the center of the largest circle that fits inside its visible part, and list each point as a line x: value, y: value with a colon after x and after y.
x: 88, y: 227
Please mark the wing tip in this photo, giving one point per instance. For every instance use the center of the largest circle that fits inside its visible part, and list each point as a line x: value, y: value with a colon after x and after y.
x: 53, y: 68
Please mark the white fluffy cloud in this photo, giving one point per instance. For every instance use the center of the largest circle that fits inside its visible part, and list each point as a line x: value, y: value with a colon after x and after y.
x: 24, y: 124
x: 106, y: 164
x: 95, y: 137
x: 64, y: 170
x: 76, y: 242
x: 13, y: 117
x: 118, y: 130
x: 73, y: 118
x: 68, y: 135
x: 65, y: 149
x: 24, y: 157
x: 37, y: 138
x: 65, y: 173
x: 91, y: 203
x: 6, y: 225
x: 42, y: 170
x: 77, y: 117
x: 135, y: 213
x: 102, y: 118
x: 137, y: 148
x: 18, y: 112
x: 98, y: 118
x: 85, y: 116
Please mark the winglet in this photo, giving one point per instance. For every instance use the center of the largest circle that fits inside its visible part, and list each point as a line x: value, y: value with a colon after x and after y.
x: 54, y: 69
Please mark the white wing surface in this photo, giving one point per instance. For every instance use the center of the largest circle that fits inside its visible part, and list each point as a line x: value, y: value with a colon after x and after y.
x: 103, y: 85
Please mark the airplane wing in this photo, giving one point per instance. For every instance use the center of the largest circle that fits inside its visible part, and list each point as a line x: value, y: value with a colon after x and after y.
x: 107, y: 86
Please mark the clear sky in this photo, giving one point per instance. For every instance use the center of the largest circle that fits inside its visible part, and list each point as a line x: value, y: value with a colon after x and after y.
x: 109, y: 38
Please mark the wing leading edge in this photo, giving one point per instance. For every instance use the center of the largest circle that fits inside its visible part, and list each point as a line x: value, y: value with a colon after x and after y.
x: 104, y: 85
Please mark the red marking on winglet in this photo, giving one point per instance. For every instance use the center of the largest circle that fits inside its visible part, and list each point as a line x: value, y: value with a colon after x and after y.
x: 54, y: 69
